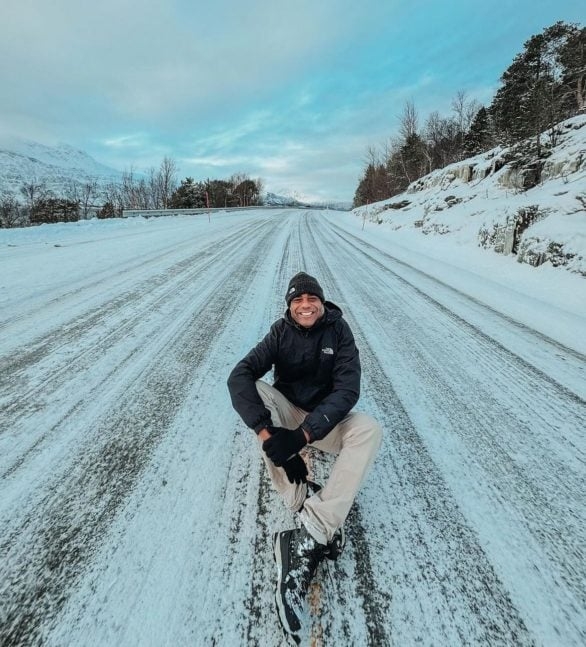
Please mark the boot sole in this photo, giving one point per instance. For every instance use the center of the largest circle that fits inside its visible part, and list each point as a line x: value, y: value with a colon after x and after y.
x: 281, y: 614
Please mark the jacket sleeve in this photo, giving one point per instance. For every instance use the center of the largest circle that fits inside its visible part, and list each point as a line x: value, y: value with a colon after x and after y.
x: 345, y: 387
x: 241, y: 382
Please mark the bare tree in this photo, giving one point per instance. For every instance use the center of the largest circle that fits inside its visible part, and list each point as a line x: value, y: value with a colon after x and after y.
x: 443, y: 140
x: 88, y: 193
x: 167, y: 179
x: 154, y: 186
x: 464, y: 110
x: 71, y: 190
x: 132, y: 191
x: 83, y: 193
x: 32, y: 191
x: 112, y: 194
x: 408, y: 121
x: 460, y: 109
x: 260, y: 189
x: 10, y: 212
x: 239, y: 188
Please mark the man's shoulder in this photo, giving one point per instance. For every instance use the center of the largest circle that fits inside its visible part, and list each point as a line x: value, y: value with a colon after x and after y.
x: 334, y: 315
x: 278, y: 326
x: 340, y: 325
x: 279, y: 323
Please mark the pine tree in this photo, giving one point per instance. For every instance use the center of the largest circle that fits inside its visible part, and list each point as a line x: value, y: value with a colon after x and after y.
x: 188, y: 195
x: 412, y: 158
x: 374, y: 185
x: 572, y: 56
x: 361, y: 194
x: 107, y: 211
x: 530, y: 99
x: 480, y: 137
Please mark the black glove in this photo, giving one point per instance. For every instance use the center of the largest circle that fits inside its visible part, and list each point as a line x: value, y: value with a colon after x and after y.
x: 283, y: 444
x: 296, y: 469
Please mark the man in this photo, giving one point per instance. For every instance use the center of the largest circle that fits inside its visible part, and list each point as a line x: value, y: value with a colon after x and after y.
x: 317, y: 382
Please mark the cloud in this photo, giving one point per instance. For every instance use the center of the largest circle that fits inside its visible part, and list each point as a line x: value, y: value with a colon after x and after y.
x: 157, y: 60
x: 125, y: 142
x: 293, y: 91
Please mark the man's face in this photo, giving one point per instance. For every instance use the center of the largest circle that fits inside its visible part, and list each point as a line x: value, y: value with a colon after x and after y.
x: 306, y: 309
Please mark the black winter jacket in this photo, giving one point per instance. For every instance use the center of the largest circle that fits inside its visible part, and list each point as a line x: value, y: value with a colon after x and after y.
x: 317, y: 369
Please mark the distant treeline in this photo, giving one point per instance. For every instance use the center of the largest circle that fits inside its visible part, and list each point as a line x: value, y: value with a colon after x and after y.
x: 158, y: 189
x: 545, y: 84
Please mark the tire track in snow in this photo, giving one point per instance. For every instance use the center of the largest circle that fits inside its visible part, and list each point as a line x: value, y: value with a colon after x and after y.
x: 57, y: 297
x: 561, y: 404
x: 544, y: 489
x: 12, y: 367
x: 444, y: 542
x: 360, y: 246
x: 150, y: 295
x: 43, y: 557
x: 260, y: 601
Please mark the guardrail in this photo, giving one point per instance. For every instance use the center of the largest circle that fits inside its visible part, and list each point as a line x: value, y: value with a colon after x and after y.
x: 156, y: 213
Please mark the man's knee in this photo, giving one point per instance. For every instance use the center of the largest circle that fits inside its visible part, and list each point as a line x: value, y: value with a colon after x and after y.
x: 367, y: 429
x: 265, y: 391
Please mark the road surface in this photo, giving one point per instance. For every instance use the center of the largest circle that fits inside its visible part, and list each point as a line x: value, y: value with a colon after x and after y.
x: 134, y: 509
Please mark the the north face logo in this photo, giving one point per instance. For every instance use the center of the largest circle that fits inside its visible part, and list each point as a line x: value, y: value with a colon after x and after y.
x: 327, y: 351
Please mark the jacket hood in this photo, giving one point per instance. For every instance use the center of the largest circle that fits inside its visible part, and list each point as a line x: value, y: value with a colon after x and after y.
x: 332, y: 313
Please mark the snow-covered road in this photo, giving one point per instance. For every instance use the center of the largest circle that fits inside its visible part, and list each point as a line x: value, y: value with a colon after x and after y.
x: 134, y: 510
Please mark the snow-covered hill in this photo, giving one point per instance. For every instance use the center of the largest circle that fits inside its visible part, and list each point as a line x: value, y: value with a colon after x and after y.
x: 24, y: 161
x: 505, y: 199
x: 272, y: 199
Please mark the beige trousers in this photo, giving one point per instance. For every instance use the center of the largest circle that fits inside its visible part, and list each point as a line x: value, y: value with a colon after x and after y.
x: 355, y: 440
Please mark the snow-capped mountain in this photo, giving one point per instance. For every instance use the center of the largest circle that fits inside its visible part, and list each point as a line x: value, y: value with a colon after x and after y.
x: 272, y: 199
x: 506, y: 199
x: 23, y: 161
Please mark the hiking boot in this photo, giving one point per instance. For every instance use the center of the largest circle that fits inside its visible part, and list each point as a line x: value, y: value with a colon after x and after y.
x: 335, y: 547
x: 297, y: 555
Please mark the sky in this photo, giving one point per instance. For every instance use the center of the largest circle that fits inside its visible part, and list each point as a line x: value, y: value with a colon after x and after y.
x: 293, y: 93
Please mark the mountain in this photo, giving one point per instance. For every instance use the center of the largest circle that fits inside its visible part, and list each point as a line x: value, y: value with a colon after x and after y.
x: 507, y: 199
x: 23, y: 160
x: 272, y: 199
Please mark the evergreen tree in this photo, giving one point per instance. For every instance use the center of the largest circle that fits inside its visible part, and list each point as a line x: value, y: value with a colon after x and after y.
x: 530, y: 99
x: 374, y: 185
x: 412, y: 158
x: 360, y: 196
x: 572, y: 57
x: 480, y: 137
x: 188, y: 195
x: 544, y: 84
x: 107, y: 211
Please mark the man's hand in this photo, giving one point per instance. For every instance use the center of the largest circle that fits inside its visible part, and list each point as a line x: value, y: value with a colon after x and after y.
x: 284, y: 444
x: 296, y: 469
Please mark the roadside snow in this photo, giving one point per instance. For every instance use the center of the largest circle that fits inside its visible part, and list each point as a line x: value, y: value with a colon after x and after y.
x: 459, y: 200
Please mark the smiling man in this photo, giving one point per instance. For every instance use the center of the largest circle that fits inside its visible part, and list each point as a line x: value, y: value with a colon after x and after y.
x: 317, y: 383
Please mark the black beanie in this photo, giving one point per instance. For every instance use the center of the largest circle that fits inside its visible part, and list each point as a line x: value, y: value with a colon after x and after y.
x: 302, y: 283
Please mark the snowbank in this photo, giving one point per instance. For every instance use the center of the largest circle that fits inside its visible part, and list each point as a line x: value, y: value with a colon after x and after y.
x: 506, y: 200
